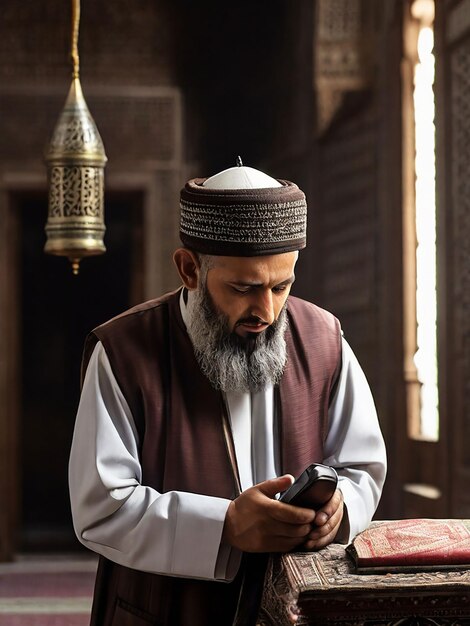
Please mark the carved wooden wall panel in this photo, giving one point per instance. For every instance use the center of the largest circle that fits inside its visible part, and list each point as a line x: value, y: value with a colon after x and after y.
x: 453, y: 193
x: 118, y: 40
x: 344, y: 52
x: 349, y: 220
x: 460, y: 120
x: 136, y: 125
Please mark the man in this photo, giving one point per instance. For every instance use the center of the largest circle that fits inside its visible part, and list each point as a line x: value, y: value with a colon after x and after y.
x: 200, y: 407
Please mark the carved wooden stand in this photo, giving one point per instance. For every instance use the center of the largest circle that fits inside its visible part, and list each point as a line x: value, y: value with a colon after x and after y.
x: 322, y: 589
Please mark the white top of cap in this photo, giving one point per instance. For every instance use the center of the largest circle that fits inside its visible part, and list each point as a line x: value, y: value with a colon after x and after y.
x: 241, y: 177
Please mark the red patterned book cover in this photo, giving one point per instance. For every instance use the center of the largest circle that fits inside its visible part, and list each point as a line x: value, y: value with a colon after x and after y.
x: 412, y: 545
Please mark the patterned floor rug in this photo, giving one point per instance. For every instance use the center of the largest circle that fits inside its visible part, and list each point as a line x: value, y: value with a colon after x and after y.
x: 47, y: 591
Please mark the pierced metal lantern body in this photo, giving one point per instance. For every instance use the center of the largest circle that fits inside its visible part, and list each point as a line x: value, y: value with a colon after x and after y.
x: 75, y: 161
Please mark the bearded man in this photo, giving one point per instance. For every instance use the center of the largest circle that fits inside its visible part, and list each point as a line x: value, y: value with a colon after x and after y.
x: 200, y: 407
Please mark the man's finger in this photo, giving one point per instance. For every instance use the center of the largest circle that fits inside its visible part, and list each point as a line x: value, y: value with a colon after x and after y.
x: 329, y: 509
x: 331, y: 523
x: 291, y: 514
x: 322, y: 535
x: 291, y: 531
x: 274, y: 486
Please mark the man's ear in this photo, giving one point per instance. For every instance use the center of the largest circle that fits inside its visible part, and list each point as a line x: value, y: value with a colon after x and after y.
x: 188, y: 266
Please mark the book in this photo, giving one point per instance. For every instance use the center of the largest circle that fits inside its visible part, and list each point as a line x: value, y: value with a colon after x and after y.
x: 412, y: 545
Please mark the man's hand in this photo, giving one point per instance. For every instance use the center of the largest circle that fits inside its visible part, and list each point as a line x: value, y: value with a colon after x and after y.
x: 327, y: 523
x: 256, y: 522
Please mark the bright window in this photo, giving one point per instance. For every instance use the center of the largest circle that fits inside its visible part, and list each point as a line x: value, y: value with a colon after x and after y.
x: 420, y: 226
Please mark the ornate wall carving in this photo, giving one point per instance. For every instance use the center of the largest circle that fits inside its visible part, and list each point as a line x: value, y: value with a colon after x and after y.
x: 136, y: 125
x: 344, y: 53
x: 349, y: 214
x: 453, y: 189
x: 460, y: 241
x: 119, y: 40
x: 344, y: 64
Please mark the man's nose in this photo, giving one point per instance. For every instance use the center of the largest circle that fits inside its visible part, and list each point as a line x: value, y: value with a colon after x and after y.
x: 262, y: 306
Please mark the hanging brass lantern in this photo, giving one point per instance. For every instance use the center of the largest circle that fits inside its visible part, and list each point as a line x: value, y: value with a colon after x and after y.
x: 75, y: 159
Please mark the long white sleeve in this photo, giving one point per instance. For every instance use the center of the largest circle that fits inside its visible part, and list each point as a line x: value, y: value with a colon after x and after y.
x: 115, y: 515
x: 354, y: 445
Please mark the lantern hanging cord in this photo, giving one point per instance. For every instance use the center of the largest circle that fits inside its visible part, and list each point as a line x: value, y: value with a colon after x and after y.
x: 75, y: 26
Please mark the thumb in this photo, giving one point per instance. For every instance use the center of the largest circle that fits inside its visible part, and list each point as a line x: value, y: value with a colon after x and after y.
x: 275, y: 485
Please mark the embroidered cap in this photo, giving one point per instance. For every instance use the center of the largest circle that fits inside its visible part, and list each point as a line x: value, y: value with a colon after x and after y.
x: 242, y: 212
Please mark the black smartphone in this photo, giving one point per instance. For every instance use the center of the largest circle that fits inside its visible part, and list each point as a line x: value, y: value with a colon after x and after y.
x: 313, y: 488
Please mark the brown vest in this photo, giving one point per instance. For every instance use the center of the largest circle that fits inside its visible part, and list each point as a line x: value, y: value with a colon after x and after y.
x: 178, y: 415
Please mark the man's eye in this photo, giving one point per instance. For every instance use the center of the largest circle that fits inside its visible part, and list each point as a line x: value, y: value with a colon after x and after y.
x: 279, y: 288
x: 240, y: 289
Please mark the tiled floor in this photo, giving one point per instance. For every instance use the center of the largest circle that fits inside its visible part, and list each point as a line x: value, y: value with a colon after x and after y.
x: 47, y: 590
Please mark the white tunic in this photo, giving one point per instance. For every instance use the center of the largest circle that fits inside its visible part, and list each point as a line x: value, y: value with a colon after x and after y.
x: 179, y: 533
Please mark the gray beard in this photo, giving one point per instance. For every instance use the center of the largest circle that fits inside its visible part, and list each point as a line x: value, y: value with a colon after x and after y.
x: 233, y: 363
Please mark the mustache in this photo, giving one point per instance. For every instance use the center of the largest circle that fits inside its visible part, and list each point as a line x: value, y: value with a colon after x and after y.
x: 251, y: 319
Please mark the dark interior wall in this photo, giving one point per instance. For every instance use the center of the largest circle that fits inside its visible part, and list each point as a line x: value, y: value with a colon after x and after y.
x: 230, y: 56
x: 58, y: 311
x: 246, y: 72
x: 348, y: 222
x: 126, y: 56
x: 453, y: 201
x: 118, y: 41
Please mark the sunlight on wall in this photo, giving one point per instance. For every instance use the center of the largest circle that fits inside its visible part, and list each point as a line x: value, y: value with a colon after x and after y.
x: 426, y: 356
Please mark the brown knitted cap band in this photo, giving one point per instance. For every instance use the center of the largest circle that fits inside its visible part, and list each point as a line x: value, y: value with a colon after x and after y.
x: 243, y: 222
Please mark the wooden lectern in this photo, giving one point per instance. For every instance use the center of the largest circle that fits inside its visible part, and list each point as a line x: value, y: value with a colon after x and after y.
x: 323, y: 589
